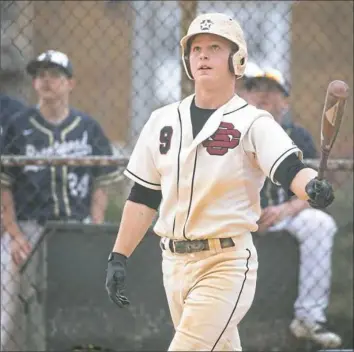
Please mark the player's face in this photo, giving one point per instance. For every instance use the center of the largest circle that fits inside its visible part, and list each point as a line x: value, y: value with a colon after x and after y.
x: 272, y: 101
x: 51, y: 83
x: 209, y: 58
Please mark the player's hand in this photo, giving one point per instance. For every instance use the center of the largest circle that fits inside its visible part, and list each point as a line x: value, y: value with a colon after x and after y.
x: 320, y: 193
x: 20, y: 249
x: 271, y: 215
x: 115, y: 280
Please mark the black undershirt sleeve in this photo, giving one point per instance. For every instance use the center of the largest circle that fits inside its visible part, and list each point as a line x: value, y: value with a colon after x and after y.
x: 287, y: 170
x: 143, y: 195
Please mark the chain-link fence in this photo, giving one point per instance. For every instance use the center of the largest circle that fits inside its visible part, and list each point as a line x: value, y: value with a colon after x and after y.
x: 127, y: 62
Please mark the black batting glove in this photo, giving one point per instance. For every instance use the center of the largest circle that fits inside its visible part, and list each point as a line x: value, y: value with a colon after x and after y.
x: 320, y: 193
x: 115, y: 280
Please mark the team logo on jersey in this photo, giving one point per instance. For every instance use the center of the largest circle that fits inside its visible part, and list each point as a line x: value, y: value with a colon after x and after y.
x: 165, y: 139
x: 226, y: 137
x: 75, y: 147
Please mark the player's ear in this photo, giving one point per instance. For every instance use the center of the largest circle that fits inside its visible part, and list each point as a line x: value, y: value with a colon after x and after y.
x: 285, y: 101
x: 72, y: 83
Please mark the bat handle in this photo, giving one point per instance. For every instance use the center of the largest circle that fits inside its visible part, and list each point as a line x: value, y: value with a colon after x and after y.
x: 323, y: 163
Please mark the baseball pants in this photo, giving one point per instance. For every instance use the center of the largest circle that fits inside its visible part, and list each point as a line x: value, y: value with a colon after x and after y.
x: 209, y: 293
x: 314, y: 230
x: 13, y: 318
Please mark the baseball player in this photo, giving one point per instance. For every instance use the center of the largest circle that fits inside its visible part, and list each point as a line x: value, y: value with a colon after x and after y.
x: 203, y: 161
x: 33, y: 194
x: 9, y: 106
x: 313, y: 228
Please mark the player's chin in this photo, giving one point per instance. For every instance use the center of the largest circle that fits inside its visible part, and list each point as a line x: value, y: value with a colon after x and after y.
x: 204, y: 77
x: 48, y: 95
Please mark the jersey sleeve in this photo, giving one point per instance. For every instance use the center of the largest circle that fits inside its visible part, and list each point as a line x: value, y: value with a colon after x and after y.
x: 10, y: 145
x: 102, y: 146
x: 305, y: 142
x: 141, y: 167
x: 270, y: 144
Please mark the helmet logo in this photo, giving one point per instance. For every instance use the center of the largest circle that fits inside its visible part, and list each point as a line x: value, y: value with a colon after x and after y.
x: 206, y: 24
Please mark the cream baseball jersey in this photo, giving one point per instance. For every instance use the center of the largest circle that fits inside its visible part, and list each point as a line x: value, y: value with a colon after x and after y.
x: 210, y: 184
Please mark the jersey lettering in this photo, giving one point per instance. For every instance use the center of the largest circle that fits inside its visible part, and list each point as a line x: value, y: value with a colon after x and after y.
x: 225, y: 138
x: 165, y: 139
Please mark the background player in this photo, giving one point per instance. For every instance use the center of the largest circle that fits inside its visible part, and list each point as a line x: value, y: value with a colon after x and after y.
x: 313, y: 228
x: 31, y: 195
x: 205, y: 158
x: 9, y: 106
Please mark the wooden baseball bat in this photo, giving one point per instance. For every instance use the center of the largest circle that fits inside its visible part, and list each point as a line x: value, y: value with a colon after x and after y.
x: 332, y: 115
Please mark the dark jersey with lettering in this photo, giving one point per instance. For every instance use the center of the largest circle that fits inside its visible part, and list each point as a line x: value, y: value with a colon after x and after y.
x: 44, y: 192
x: 272, y: 194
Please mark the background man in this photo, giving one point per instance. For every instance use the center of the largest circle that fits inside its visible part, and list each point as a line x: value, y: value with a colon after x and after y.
x: 313, y: 228
x: 33, y: 194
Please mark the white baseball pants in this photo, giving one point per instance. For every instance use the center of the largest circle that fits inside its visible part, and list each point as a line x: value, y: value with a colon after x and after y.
x: 209, y: 293
x: 13, y: 323
x: 314, y: 230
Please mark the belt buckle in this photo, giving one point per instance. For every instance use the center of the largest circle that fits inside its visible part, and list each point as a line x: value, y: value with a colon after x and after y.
x: 194, y: 246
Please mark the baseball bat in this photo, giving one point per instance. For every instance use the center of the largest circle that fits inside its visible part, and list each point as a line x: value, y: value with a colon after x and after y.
x: 332, y: 115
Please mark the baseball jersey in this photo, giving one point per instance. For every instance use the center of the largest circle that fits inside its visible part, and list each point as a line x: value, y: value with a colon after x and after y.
x: 55, y: 192
x: 210, y: 184
x: 272, y: 194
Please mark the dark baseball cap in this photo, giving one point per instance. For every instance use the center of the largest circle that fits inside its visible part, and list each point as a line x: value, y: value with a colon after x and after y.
x: 50, y: 58
x: 270, y: 79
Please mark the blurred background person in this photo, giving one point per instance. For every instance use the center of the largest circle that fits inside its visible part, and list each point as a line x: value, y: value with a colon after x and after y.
x: 33, y: 194
x: 314, y: 229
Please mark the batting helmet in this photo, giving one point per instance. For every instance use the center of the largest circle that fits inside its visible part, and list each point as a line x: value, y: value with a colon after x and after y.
x: 223, y: 26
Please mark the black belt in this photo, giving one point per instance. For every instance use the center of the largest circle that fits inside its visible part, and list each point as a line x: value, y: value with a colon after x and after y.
x: 195, y: 246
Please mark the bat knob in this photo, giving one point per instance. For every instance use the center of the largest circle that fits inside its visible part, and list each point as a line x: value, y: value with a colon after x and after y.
x: 338, y: 89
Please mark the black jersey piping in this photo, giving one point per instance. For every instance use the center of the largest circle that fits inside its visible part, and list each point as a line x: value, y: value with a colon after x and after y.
x: 191, y: 197
x: 178, y: 164
x: 238, y: 299
x: 139, y: 178
x: 287, y: 151
x: 230, y: 112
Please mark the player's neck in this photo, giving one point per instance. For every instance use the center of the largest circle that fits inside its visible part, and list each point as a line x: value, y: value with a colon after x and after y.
x: 212, y: 98
x: 54, y: 112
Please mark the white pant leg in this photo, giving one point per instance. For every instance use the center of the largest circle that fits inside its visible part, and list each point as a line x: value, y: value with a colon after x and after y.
x: 314, y: 230
x: 10, y: 284
x: 12, y: 323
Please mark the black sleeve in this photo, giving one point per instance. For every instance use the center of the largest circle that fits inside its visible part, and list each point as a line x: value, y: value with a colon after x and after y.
x: 304, y: 141
x: 143, y: 195
x: 287, y: 170
x: 103, y: 147
x: 10, y: 144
